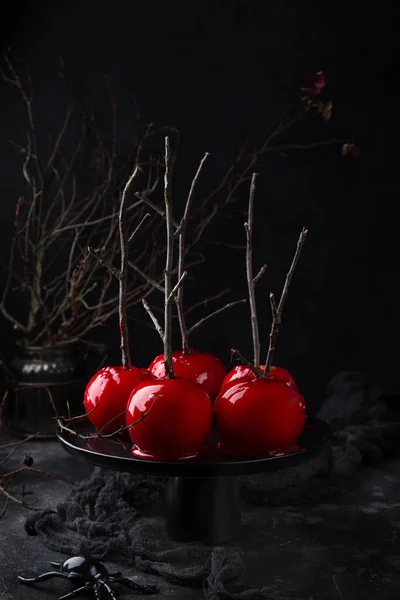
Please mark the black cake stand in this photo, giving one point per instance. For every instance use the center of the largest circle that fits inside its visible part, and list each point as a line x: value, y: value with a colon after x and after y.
x: 202, y: 497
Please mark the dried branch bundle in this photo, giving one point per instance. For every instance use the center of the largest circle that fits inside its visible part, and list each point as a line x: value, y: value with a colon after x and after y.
x: 72, y: 186
x: 66, y: 218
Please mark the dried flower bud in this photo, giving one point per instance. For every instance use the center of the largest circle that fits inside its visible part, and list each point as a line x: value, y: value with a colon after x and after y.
x: 325, y: 110
x: 28, y: 461
x: 350, y: 149
x: 316, y: 83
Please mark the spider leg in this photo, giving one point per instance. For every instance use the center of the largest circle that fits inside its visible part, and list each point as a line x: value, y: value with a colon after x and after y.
x: 43, y: 577
x: 137, y: 587
x: 56, y: 565
x: 103, y: 584
x: 118, y: 574
x: 76, y: 592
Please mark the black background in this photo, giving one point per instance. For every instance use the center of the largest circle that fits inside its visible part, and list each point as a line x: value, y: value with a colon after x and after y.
x: 221, y: 71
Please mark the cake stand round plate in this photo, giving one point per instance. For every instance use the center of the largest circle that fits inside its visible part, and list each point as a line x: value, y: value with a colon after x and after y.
x: 202, y: 497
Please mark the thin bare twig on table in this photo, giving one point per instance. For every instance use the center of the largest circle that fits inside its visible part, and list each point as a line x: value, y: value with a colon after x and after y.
x: 63, y: 423
x: 7, y: 477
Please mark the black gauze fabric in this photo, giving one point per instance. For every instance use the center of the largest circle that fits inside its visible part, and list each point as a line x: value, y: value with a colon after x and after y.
x: 120, y: 517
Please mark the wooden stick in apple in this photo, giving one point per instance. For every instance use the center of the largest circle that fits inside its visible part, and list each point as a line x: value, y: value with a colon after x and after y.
x: 251, y: 280
x: 107, y: 392
x: 278, y: 309
x: 169, y: 373
x: 259, y: 414
x: 123, y: 274
x: 180, y: 424
x: 255, y: 369
x: 170, y: 292
x: 202, y: 367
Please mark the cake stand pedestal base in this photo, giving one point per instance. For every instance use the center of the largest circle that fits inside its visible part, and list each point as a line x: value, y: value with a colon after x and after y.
x: 203, y: 509
x: 202, y: 497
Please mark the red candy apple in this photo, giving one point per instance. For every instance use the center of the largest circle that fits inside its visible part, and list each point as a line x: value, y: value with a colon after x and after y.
x: 177, y: 423
x: 257, y: 416
x: 202, y: 368
x: 241, y: 373
x: 107, y: 394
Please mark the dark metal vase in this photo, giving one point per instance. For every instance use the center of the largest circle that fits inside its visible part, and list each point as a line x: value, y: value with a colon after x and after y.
x: 35, y: 371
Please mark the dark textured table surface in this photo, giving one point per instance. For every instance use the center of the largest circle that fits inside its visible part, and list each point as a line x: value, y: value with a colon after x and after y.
x: 348, y: 549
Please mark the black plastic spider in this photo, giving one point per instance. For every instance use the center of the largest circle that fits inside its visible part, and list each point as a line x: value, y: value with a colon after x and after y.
x: 90, y: 577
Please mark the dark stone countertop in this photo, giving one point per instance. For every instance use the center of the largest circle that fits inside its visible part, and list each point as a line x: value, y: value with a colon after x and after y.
x: 348, y: 549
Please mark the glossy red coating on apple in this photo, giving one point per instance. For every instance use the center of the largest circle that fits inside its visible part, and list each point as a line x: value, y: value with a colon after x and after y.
x: 242, y: 373
x: 204, y: 369
x: 258, y: 416
x: 108, y: 390
x: 176, y: 427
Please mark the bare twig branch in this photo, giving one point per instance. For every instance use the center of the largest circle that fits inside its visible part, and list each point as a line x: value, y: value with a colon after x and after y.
x: 181, y: 254
x: 214, y: 314
x: 100, y: 220
x: 276, y: 323
x: 206, y: 301
x: 176, y: 288
x: 154, y: 319
x: 249, y: 273
x: 157, y: 209
x: 98, y: 434
x: 96, y: 254
x: 123, y: 279
x: 255, y: 370
x: 169, y: 373
x: 19, y: 442
x: 289, y: 276
x: 260, y: 273
x: 278, y: 309
x: 138, y: 227
x: 317, y: 144
x: 7, y: 477
x: 149, y: 280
